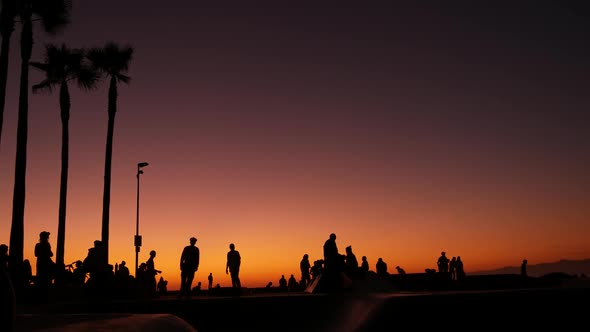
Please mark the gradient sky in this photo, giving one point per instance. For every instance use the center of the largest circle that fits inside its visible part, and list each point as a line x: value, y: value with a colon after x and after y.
x: 404, y: 129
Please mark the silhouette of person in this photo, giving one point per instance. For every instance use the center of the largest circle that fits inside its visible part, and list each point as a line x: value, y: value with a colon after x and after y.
x: 523, y: 271
x: 123, y: 271
x: 292, y: 283
x: 331, y: 255
x: 94, y: 264
x: 233, y: 266
x: 210, y: 279
x: 400, y: 270
x: 352, y: 264
x: 443, y: 263
x: 197, y: 289
x: 453, y: 268
x: 317, y: 268
x: 305, y: 267
x: 364, y: 264
x: 45, y: 265
x: 283, y: 283
x: 189, y: 264
x: 150, y: 269
x: 381, y: 267
x: 162, y: 286
x: 95, y: 261
x: 79, y: 275
x: 141, y: 279
x: 459, y: 267
x: 334, y: 265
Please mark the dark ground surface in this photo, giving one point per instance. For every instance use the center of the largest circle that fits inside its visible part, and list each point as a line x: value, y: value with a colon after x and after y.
x: 529, y: 309
x: 481, y: 303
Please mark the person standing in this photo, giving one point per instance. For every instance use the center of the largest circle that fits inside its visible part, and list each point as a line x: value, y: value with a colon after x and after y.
x: 364, y: 264
x: 443, y: 263
x: 332, y: 259
x: 210, y: 279
x: 460, y: 270
x: 189, y: 264
x: 352, y: 264
x: 233, y: 266
x: 305, y: 267
x: 453, y: 268
x: 45, y: 265
x: 334, y: 264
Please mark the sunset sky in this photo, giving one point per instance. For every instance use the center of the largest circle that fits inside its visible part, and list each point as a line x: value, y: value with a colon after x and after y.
x: 407, y: 130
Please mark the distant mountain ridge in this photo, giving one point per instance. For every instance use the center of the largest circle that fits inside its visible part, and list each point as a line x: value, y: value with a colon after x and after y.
x: 573, y: 267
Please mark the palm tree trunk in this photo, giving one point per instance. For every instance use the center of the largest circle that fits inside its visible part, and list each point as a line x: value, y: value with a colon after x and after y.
x: 112, y: 110
x: 6, y: 29
x: 20, y: 167
x: 64, y: 103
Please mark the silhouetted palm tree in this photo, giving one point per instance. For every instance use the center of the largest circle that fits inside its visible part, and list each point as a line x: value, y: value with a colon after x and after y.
x: 9, y: 12
x: 62, y: 65
x: 113, y: 62
x: 53, y: 14
x: 7, y: 17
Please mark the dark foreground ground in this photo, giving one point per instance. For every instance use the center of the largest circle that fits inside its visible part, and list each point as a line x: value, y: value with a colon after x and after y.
x: 564, y: 308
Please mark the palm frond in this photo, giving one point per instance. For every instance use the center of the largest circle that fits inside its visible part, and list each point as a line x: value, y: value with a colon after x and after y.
x: 87, y: 78
x: 46, y: 85
x: 63, y: 64
x: 123, y: 78
x: 112, y: 60
x: 40, y: 65
x: 54, y: 14
x: 96, y: 57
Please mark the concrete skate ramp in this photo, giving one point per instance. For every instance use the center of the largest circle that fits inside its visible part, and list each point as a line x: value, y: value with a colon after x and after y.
x: 369, y: 283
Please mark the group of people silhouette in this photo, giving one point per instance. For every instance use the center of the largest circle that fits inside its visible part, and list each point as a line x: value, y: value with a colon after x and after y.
x: 337, y: 270
x: 96, y: 277
x: 453, y: 266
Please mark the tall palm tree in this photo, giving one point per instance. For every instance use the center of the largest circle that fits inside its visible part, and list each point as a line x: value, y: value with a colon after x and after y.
x: 7, y: 17
x: 9, y: 12
x: 53, y: 14
x: 62, y: 65
x: 112, y: 61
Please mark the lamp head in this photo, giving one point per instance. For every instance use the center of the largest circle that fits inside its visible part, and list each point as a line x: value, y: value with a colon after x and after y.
x: 143, y: 164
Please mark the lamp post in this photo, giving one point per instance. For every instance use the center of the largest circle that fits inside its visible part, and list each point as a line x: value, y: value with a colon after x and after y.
x: 137, y: 239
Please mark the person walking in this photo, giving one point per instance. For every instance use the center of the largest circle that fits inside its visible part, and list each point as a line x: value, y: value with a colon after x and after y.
x: 234, y: 261
x: 189, y: 264
x: 150, y: 270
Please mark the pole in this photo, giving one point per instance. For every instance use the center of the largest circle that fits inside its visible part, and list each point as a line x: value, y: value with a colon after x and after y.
x: 137, y: 239
x: 137, y: 224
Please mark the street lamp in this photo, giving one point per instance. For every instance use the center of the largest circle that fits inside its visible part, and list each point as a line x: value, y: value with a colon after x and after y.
x: 137, y: 236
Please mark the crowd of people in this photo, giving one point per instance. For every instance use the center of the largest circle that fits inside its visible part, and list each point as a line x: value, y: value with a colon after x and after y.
x: 95, y: 277
x: 99, y: 278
